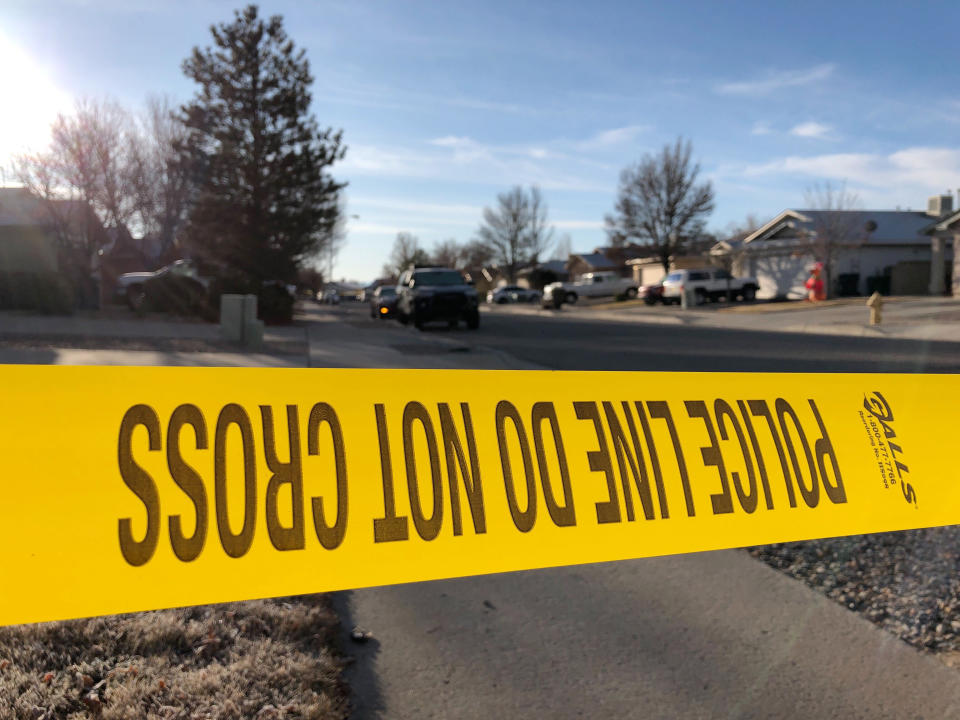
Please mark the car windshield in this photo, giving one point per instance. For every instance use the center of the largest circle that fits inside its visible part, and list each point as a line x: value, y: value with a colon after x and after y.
x: 674, y: 277
x: 387, y: 291
x: 438, y: 278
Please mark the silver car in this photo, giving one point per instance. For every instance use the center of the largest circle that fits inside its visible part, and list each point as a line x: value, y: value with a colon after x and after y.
x: 512, y: 293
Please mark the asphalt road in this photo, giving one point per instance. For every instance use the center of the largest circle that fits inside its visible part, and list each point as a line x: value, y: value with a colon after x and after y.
x: 565, y: 342
x: 712, y: 635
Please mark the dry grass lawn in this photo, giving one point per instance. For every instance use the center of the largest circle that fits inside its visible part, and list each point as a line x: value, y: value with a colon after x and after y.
x: 264, y: 659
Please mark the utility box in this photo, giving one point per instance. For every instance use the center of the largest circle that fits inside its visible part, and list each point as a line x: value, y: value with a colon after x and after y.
x: 238, y: 320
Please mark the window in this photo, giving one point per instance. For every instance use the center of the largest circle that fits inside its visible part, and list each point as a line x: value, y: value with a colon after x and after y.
x: 674, y: 277
x: 439, y: 278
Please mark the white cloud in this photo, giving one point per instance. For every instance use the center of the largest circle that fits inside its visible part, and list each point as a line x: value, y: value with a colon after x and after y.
x: 811, y: 130
x: 775, y: 80
x: 910, y: 174
x: 612, y: 137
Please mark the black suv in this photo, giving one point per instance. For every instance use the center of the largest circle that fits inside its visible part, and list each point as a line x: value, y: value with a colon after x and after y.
x: 426, y: 294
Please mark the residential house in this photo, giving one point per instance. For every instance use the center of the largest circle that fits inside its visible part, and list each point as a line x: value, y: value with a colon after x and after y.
x: 885, y: 250
x: 41, y: 236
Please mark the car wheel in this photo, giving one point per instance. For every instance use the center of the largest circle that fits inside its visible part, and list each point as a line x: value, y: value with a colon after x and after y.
x: 417, y: 322
x: 700, y: 296
x: 501, y: 301
x: 631, y: 293
x: 572, y: 298
x: 649, y: 300
x: 473, y: 320
x: 452, y: 324
x: 749, y: 293
x: 532, y: 299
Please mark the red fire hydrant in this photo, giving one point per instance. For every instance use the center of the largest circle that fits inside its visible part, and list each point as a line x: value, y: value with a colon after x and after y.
x: 814, y: 284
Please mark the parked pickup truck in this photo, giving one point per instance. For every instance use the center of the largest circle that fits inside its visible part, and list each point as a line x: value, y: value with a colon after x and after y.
x: 595, y: 284
x: 708, y: 284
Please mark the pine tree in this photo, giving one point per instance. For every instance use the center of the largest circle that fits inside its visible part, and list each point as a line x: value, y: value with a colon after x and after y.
x: 265, y: 201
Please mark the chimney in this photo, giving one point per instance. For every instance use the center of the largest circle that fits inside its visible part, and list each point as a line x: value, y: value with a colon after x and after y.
x: 940, y: 205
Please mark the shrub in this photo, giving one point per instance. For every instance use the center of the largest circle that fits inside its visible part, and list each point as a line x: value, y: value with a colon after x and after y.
x: 46, y: 292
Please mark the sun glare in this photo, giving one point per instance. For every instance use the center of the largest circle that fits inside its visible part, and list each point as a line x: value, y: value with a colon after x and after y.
x: 31, y: 101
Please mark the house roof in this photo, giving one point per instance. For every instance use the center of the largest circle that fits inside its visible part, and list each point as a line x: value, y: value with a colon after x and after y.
x: 19, y: 206
x: 594, y: 259
x: 892, y: 226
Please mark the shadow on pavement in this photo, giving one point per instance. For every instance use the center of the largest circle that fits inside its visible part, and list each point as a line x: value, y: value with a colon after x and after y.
x: 366, y: 698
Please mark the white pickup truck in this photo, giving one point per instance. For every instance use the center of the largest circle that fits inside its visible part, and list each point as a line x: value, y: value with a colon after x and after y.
x: 595, y: 284
x: 708, y: 284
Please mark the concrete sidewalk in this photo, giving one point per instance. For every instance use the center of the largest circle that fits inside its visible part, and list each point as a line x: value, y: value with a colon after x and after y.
x: 928, y: 319
x: 117, y: 325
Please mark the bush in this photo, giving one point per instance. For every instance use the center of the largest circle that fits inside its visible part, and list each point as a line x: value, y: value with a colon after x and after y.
x: 177, y: 295
x: 46, y: 292
x: 275, y: 304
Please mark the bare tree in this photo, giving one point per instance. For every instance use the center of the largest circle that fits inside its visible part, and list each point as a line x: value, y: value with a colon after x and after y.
x: 160, y: 179
x: 84, y: 181
x: 837, y: 226
x: 564, y: 248
x: 517, y: 231
x: 406, y: 251
x: 448, y: 253
x: 660, y: 203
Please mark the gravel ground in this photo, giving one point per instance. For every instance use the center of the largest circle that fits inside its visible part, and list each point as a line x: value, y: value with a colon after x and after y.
x: 906, y: 582
x: 264, y: 660
x: 45, y: 342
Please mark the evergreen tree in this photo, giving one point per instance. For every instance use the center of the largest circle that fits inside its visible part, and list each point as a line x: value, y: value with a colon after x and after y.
x: 265, y: 201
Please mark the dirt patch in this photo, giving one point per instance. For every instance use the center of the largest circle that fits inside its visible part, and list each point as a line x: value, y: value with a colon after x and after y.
x: 264, y: 659
x: 906, y: 582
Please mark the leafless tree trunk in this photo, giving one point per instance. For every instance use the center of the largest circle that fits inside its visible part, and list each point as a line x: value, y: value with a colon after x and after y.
x: 660, y: 202
x: 837, y: 228
x: 448, y: 253
x: 406, y: 252
x: 159, y: 178
x: 517, y: 231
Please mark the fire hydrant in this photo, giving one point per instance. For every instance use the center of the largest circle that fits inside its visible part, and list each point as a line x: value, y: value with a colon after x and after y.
x: 875, y: 303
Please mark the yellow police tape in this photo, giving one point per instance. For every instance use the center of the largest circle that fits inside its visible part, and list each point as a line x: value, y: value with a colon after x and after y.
x: 135, y: 488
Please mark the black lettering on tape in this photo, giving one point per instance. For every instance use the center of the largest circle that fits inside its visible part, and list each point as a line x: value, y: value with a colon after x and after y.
x: 760, y: 409
x: 188, y: 480
x: 654, y: 460
x: 748, y: 498
x: 470, y: 474
x: 390, y: 527
x: 235, y: 544
x: 722, y: 501
x: 563, y: 515
x: 284, y: 473
x: 761, y: 467
x: 138, y: 552
x: 330, y: 536
x: 661, y: 411
x: 427, y: 527
x: 811, y: 495
x: 824, y: 449
x: 625, y: 458
x: 608, y: 511
x: 522, y: 519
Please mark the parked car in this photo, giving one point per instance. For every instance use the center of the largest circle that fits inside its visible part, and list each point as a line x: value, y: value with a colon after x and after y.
x: 708, y: 284
x: 595, y: 284
x: 383, y: 302
x: 427, y: 294
x: 132, y: 287
x: 512, y: 293
x: 651, y: 294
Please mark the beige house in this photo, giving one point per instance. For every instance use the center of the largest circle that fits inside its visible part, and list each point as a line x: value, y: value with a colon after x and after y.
x: 895, y: 252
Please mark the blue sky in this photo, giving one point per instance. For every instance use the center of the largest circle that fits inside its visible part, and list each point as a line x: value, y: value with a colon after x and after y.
x: 445, y: 104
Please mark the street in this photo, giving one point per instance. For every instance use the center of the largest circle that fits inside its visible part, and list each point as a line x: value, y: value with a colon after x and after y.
x: 697, y: 636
